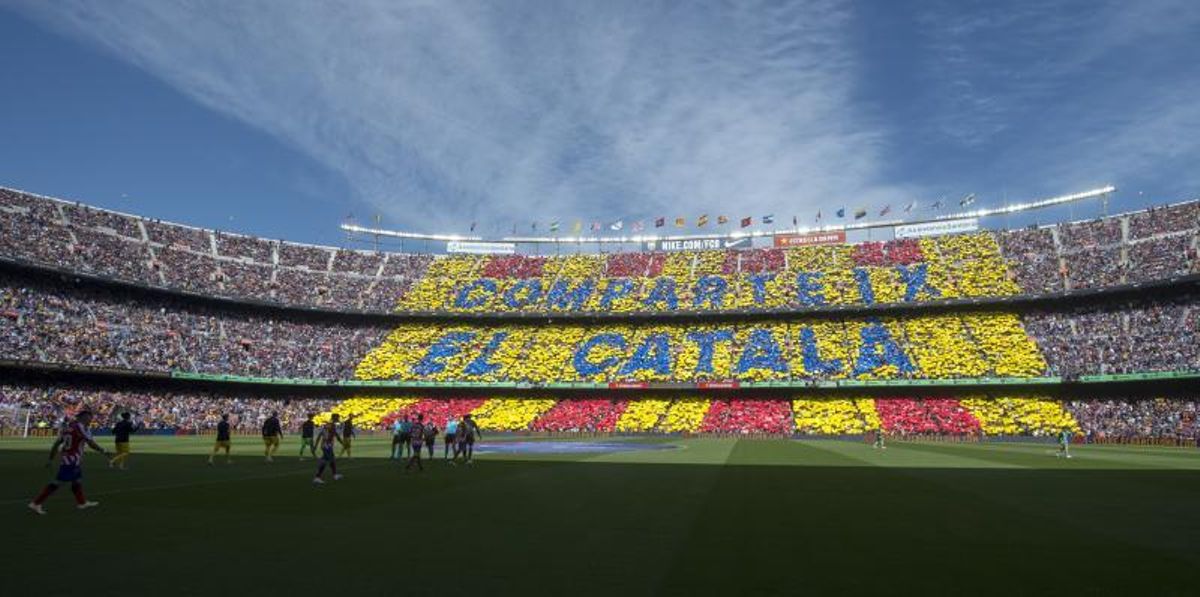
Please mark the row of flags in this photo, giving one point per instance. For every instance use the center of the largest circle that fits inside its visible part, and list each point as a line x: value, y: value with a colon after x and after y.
x: 703, y: 220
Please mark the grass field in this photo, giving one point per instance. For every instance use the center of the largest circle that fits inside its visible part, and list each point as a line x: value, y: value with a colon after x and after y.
x: 712, y: 516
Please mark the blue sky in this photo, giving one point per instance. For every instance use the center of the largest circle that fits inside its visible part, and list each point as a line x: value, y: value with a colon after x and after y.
x: 281, y: 118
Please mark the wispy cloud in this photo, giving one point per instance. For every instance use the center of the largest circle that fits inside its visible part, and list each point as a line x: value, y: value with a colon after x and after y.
x: 442, y: 112
x: 1074, y: 93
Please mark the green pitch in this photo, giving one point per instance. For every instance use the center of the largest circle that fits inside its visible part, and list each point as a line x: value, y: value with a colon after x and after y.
x: 712, y: 516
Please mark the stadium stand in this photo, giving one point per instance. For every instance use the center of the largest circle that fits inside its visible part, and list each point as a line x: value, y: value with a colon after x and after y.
x: 1121, y: 420
x: 585, y: 415
x: 1138, y: 247
x: 48, y: 316
x: 156, y: 410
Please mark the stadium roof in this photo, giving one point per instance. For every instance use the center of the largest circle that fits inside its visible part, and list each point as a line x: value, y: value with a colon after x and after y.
x: 640, y: 238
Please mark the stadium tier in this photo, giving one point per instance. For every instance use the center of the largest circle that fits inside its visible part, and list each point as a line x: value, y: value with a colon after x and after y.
x: 779, y: 327
x: 48, y: 320
x: 978, y: 415
x: 1134, y: 248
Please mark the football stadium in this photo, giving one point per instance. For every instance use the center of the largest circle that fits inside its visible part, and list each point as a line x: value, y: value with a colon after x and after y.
x: 980, y: 393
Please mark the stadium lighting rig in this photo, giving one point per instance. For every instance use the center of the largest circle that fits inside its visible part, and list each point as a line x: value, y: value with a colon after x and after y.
x: 738, y: 234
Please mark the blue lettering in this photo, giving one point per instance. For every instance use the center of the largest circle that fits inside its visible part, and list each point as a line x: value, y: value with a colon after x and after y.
x: 617, y: 288
x: 864, y: 286
x: 584, y: 366
x: 532, y: 288
x: 879, y: 349
x: 761, y: 352
x: 809, y: 288
x: 759, y: 282
x: 562, y: 297
x: 915, y: 280
x: 481, y: 365
x: 467, y: 297
x: 445, y: 347
x: 813, y: 363
x: 663, y: 291
x: 710, y: 289
x: 707, y: 342
x: 653, y: 354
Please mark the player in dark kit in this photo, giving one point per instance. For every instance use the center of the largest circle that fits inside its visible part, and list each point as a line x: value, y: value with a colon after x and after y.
x: 72, y: 440
x: 121, y: 432
x: 326, y: 438
x: 418, y: 437
x: 272, y: 433
x: 347, y: 435
x: 465, y: 438
x: 431, y: 433
x: 222, y: 440
x: 308, y: 430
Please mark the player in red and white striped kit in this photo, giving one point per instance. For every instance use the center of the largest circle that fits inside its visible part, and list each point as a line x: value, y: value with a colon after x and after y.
x: 69, y: 448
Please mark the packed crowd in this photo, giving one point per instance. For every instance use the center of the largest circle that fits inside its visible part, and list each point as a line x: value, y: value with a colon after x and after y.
x: 181, y: 411
x: 1161, y: 242
x: 59, y: 322
x: 1020, y: 414
x: 930, y: 346
x: 581, y: 415
x: 748, y: 417
x: 907, y: 416
x: 1125, y: 337
x: 149, y: 252
x: 1127, y: 419
x: 1159, y: 258
x: 83, y: 324
x: 152, y: 410
x: 977, y: 415
x: 1164, y: 220
x: 898, y: 271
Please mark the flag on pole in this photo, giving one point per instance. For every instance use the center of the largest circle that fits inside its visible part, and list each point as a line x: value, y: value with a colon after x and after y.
x: 936, y: 204
x: 680, y: 222
x: 860, y: 213
x: 576, y: 227
x: 722, y: 220
x: 768, y: 219
x: 533, y: 226
x: 841, y: 212
x: 554, y: 226
x: 818, y: 215
x: 702, y: 221
x: 638, y: 226
x: 887, y: 209
x: 619, y: 224
x: 908, y: 208
x: 795, y: 222
x: 969, y: 199
x: 472, y: 226
x: 659, y: 222
x: 746, y: 221
x: 595, y: 226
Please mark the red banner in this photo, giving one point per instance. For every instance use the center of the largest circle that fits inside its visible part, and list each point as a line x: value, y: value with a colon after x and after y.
x: 835, y: 237
x: 628, y: 385
x: 717, y: 385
